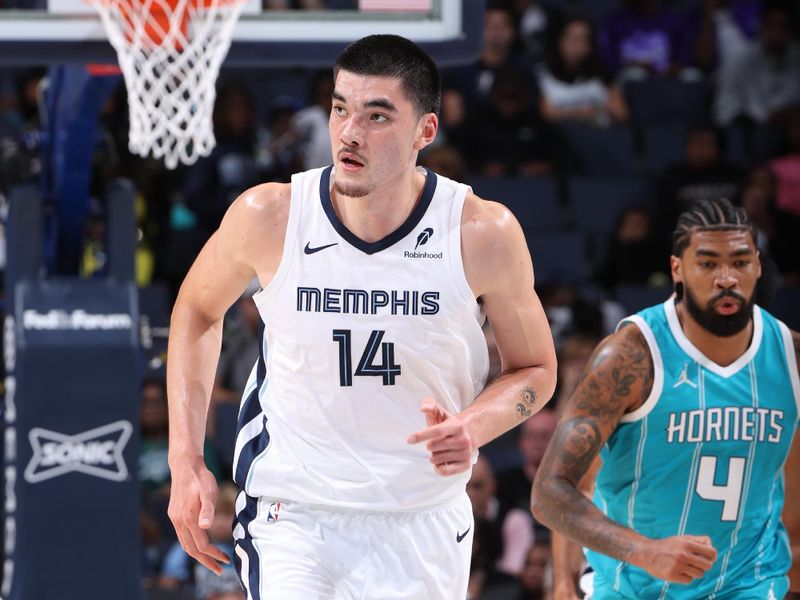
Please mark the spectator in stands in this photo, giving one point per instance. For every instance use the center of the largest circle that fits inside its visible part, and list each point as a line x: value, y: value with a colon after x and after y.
x: 786, y: 168
x: 643, y: 39
x: 153, y: 469
x: 278, y: 146
x: 199, y: 196
x: 636, y: 253
x: 535, y: 580
x: 214, y: 182
x: 777, y: 230
x: 573, y: 310
x: 468, y: 86
x: 311, y: 124
x: 514, y: 485
x: 703, y: 174
x: 721, y: 30
x: 507, y: 138
x: 572, y: 85
x: 445, y: 160
x: 506, y: 531
x: 762, y: 85
x: 537, y: 22
x: 573, y: 354
x: 19, y: 113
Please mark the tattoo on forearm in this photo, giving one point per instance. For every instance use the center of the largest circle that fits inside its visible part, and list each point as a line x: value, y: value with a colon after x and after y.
x: 575, y: 445
x: 619, y: 378
x: 578, y: 443
x: 526, y: 405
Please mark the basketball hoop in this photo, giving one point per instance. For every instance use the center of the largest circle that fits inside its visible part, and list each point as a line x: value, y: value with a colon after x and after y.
x: 170, y: 52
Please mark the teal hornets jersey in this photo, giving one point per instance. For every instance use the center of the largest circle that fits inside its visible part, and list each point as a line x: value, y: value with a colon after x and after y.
x: 704, y: 455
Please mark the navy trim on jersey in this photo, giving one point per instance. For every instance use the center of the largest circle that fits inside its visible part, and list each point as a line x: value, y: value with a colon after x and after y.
x: 244, y: 518
x: 251, y: 409
x: 398, y: 234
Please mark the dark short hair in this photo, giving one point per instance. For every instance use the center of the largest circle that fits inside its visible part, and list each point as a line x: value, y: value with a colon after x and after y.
x: 709, y: 215
x: 394, y: 56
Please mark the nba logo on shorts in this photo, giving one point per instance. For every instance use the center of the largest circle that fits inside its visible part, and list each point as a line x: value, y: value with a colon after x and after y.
x: 272, y: 514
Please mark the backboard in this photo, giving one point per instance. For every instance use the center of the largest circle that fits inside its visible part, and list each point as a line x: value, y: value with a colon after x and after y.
x: 42, y: 32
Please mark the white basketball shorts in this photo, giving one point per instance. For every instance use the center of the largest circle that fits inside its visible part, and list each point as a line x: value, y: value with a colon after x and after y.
x: 292, y: 551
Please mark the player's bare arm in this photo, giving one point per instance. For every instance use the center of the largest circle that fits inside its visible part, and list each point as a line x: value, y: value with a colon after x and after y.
x: 568, y: 559
x: 499, y: 271
x: 248, y: 242
x: 618, y: 379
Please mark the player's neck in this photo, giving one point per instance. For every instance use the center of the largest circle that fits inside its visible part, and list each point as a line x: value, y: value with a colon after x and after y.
x: 721, y: 350
x: 382, y: 211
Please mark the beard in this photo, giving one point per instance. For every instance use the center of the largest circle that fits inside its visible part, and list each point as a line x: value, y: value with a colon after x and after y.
x: 351, y: 190
x: 713, y: 322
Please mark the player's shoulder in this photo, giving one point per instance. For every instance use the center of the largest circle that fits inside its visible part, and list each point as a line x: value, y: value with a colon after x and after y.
x: 626, y: 346
x: 482, y: 216
x: 622, y: 364
x: 489, y: 227
x: 493, y: 246
x: 263, y: 200
x: 259, y: 210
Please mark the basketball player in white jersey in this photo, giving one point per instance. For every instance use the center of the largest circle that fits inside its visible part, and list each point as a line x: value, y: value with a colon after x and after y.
x: 359, y: 428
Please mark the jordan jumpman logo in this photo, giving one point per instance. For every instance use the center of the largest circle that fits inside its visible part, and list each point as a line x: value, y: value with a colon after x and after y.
x: 684, y: 378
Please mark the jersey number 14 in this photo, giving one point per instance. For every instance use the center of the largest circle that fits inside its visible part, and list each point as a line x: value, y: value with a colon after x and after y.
x: 367, y: 365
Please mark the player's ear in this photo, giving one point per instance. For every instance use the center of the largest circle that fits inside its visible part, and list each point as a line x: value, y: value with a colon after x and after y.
x: 758, y: 263
x: 676, y: 270
x: 426, y: 130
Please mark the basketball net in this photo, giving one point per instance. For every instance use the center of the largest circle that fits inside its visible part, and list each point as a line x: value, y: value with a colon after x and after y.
x: 170, y: 52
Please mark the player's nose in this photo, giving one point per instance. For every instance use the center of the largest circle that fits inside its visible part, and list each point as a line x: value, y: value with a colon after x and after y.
x: 352, y: 133
x: 725, y: 278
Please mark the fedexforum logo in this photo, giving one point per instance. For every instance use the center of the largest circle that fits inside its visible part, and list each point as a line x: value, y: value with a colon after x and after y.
x: 96, y: 452
x: 76, y: 320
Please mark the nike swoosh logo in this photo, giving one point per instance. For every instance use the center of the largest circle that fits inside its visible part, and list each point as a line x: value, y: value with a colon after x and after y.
x: 309, y: 250
x: 461, y: 536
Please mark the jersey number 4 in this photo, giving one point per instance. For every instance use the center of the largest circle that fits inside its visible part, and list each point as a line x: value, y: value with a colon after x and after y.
x: 366, y: 366
x: 729, y: 494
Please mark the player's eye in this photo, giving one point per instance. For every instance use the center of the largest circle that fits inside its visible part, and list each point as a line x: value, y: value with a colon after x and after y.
x: 708, y: 264
x: 339, y: 110
x: 740, y: 263
x: 379, y: 118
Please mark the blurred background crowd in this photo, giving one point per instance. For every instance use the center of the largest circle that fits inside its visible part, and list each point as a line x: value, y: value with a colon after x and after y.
x: 597, y: 122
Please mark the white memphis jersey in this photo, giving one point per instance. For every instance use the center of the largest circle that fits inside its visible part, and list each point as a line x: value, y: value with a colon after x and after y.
x: 358, y: 335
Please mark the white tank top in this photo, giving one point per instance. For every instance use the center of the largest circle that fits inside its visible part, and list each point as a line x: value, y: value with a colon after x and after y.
x: 358, y: 335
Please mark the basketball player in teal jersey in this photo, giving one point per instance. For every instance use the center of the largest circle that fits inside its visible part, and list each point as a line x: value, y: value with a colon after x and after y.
x: 692, y: 406
x: 359, y: 427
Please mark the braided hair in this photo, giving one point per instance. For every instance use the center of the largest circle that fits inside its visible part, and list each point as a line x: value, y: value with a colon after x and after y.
x: 708, y: 215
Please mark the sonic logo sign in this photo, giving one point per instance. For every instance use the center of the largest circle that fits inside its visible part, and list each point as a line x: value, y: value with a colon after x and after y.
x: 96, y: 452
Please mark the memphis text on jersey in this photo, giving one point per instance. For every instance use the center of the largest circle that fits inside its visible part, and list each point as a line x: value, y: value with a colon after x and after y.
x: 367, y: 302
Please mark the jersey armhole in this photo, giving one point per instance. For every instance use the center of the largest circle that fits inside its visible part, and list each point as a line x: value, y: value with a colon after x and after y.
x: 456, y: 259
x: 791, y: 362
x: 289, y: 240
x: 658, y: 370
